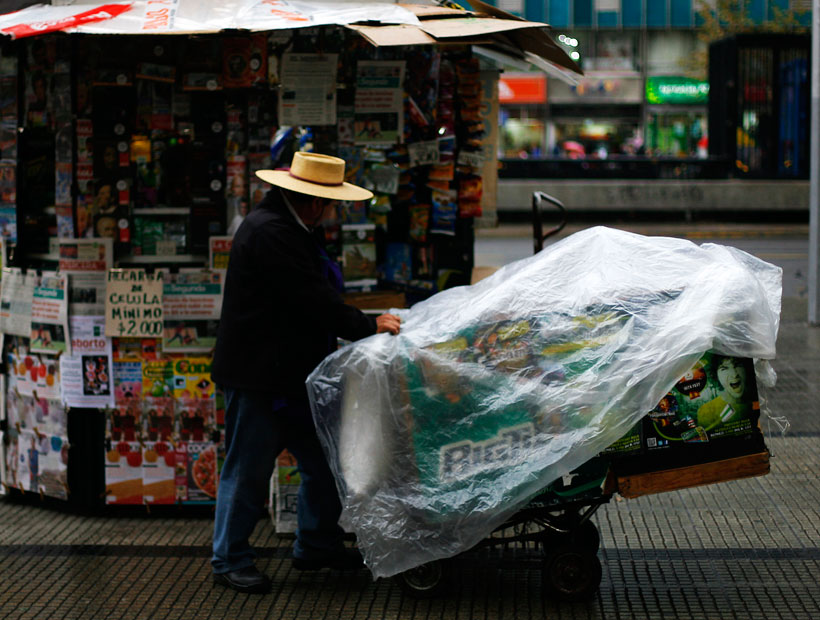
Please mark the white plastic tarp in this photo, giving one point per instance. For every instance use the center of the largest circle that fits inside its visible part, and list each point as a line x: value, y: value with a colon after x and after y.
x: 493, y: 391
x: 199, y: 16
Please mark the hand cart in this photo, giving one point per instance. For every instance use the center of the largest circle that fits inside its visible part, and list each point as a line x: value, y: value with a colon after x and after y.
x: 558, y: 520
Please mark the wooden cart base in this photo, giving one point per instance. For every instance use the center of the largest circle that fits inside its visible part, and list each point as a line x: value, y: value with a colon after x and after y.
x: 693, y: 476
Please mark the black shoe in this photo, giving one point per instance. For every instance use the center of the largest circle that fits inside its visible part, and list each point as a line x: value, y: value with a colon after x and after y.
x: 349, y: 559
x: 248, y: 580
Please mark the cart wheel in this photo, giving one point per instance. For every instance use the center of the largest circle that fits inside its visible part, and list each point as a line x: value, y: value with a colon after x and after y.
x: 587, y: 536
x: 571, y: 574
x: 425, y: 581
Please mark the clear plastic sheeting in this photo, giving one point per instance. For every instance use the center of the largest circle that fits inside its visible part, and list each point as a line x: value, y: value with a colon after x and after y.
x: 492, y: 391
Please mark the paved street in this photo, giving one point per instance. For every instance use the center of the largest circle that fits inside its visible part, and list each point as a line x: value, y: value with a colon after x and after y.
x: 742, y: 549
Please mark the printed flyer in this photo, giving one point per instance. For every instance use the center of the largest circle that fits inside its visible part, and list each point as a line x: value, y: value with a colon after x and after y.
x: 378, y: 116
x: 49, y: 315
x: 87, y: 374
x: 16, y: 296
x: 192, y: 303
x: 11, y: 460
x: 86, y: 293
x: 33, y: 375
x: 308, y: 92
x: 52, y: 474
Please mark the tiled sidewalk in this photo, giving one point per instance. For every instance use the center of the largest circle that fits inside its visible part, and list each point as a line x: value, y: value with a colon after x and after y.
x: 743, y: 549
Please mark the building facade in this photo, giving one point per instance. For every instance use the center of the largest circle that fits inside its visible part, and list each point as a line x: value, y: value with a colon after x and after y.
x: 644, y: 91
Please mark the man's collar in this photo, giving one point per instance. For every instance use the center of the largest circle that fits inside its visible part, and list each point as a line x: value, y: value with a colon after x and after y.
x: 293, y: 211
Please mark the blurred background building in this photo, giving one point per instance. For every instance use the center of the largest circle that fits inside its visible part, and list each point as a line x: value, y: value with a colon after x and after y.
x: 643, y: 106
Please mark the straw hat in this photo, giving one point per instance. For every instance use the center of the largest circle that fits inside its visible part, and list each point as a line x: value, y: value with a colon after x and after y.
x: 316, y: 175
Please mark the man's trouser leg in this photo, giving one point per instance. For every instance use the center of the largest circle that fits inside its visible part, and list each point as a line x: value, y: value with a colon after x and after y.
x: 252, y: 441
x: 318, y: 534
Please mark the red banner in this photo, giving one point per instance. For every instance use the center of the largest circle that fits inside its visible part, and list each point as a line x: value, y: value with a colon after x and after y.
x: 97, y: 14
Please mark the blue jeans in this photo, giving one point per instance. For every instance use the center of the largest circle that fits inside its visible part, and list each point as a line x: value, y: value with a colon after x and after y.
x: 258, y: 426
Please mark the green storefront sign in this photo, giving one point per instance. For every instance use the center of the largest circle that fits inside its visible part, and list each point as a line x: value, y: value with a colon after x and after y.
x: 677, y: 90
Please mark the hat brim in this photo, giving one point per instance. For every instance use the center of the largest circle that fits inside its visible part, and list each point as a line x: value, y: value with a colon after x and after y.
x: 345, y: 191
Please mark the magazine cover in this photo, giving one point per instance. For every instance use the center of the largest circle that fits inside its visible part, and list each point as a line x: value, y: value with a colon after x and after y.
x: 359, y: 254
x: 202, y: 479
x: 122, y: 423
x: 158, y: 418
x: 123, y: 472
x: 196, y: 418
x: 158, y: 473
x: 192, y: 378
x: 158, y: 378
x: 127, y: 381
x: 398, y: 265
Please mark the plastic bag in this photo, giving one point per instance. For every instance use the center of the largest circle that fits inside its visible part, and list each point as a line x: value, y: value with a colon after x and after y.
x: 492, y: 391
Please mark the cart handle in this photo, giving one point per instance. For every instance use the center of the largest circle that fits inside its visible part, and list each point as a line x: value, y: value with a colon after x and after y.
x: 537, y: 226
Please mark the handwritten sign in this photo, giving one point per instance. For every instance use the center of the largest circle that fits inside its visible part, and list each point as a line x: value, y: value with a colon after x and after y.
x: 133, y: 303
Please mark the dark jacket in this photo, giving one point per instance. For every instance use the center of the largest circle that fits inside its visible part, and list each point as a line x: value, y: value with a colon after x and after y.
x: 279, y: 311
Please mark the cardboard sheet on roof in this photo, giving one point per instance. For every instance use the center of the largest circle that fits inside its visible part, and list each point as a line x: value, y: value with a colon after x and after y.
x: 462, y: 27
x: 401, y: 34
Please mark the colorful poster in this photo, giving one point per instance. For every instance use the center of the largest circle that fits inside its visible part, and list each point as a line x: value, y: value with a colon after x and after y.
x: 308, y: 92
x: 49, y: 315
x: 378, y: 117
x: 192, y: 303
x: 87, y: 374
x: 16, y: 296
x: 133, y: 303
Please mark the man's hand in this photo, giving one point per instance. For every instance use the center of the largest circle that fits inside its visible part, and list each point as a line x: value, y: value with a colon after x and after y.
x: 388, y: 323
